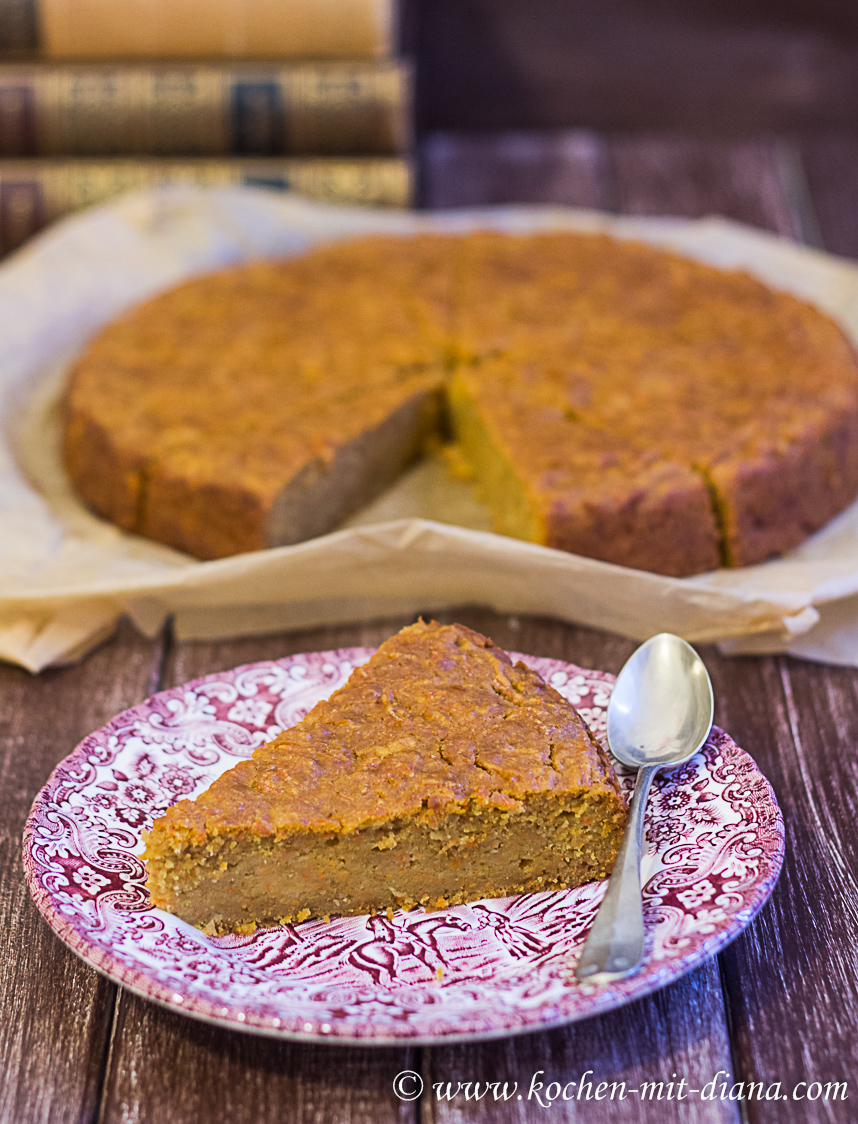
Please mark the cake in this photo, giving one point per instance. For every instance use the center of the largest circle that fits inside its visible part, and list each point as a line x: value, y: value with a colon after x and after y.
x: 440, y: 773
x: 610, y: 399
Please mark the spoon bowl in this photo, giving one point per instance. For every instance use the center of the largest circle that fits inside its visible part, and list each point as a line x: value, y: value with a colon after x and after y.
x: 659, y: 714
x: 661, y: 709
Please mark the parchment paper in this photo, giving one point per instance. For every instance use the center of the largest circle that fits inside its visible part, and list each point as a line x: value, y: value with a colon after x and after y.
x: 66, y: 577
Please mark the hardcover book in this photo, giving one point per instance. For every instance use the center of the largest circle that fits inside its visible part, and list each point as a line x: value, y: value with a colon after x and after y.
x: 240, y: 29
x: 249, y: 109
x: 35, y: 192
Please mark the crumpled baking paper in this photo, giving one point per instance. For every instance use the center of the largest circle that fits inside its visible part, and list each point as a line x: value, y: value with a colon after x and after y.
x: 66, y: 577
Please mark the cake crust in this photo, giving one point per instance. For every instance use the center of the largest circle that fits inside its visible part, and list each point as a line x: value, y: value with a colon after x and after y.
x: 439, y: 774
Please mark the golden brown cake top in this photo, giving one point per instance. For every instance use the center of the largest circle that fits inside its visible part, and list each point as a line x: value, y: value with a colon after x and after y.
x: 439, y: 718
x: 604, y: 371
x: 264, y: 367
x: 599, y: 351
x: 587, y: 348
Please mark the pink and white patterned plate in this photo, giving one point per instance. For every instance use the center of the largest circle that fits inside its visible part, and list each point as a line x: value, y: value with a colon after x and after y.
x: 714, y: 835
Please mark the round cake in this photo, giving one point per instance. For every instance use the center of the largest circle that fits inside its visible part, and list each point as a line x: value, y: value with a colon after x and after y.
x: 610, y: 399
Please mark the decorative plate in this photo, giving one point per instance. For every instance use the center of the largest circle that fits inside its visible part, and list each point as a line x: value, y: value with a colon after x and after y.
x: 714, y: 839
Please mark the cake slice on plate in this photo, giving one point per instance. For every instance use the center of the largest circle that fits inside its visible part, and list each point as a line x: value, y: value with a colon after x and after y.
x: 440, y: 773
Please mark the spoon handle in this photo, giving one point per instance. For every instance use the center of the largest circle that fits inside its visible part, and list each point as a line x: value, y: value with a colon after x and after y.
x: 616, y: 940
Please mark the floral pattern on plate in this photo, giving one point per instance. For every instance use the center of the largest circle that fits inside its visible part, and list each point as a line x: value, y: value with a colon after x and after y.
x: 713, y: 849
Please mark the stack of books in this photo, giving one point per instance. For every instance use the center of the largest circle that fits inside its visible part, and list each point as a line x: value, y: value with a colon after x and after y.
x: 103, y: 96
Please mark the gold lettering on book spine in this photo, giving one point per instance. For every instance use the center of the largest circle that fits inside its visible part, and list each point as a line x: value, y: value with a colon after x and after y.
x: 302, y: 109
x: 53, y: 188
x: 102, y: 112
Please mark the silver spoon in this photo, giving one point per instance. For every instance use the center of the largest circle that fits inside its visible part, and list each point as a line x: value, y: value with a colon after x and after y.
x: 659, y: 714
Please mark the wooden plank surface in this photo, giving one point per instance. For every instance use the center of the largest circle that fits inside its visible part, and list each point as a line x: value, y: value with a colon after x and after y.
x: 830, y: 161
x: 678, y: 1032
x: 761, y: 182
x: 685, y: 175
x: 166, y: 1068
x: 55, y: 1011
x: 482, y: 169
x: 791, y: 977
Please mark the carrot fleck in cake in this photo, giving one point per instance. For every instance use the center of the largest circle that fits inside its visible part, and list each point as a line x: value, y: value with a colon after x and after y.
x: 439, y: 774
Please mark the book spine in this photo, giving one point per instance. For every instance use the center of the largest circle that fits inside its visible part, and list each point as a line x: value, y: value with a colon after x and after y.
x: 216, y: 28
x: 331, y: 108
x: 35, y: 192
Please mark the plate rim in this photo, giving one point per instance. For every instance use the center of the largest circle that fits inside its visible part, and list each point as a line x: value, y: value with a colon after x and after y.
x: 202, y: 1009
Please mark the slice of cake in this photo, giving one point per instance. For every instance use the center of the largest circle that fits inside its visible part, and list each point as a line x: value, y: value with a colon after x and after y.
x: 439, y: 774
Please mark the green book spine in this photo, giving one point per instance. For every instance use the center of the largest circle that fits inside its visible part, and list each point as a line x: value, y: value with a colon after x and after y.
x: 250, y: 109
x: 35, y: 192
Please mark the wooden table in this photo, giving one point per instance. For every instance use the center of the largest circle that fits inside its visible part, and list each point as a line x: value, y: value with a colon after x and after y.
x: 778, y: 1005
